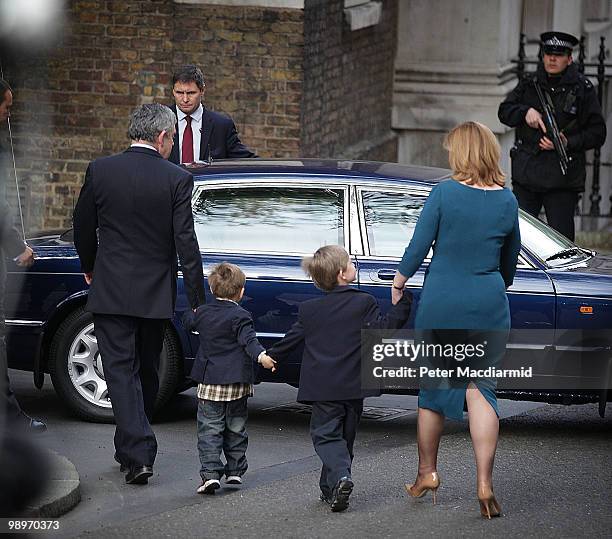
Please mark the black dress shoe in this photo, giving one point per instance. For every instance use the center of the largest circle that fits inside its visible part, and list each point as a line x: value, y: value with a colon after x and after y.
x: 340, y: 494
x: 139, y: 475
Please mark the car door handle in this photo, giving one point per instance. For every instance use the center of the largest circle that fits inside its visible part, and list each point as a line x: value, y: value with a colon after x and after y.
x: 386, y: 274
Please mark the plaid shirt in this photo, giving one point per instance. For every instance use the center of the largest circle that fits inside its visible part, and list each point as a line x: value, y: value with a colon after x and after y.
x: 227, y: 392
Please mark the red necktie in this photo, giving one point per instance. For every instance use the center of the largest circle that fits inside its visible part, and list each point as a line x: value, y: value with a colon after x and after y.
x: 187, y: 150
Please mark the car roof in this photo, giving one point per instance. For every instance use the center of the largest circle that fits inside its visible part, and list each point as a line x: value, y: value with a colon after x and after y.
x: 358, y: 170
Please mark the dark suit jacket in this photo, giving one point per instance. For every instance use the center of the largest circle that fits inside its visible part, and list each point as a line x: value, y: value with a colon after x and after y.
x: 11, y: 245
x: 218, y: 139
x: 330, y: 329
x: 228, y: 345
x: 140, y: 206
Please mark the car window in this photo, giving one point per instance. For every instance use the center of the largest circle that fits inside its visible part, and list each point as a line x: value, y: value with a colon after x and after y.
x: 390, y: 218
x: 269, y: 219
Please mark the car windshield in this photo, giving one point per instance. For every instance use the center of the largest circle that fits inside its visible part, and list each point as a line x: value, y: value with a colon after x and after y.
x: 546, y: 243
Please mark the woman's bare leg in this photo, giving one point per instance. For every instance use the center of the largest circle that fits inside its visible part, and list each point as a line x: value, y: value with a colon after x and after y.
x: 429, y: 431
x: 484, y: 430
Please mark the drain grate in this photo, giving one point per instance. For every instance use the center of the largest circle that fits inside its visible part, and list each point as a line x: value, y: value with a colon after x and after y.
x: 372, y: 413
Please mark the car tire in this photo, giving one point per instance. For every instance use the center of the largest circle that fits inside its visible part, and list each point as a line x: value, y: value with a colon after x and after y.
x: 78, y: 375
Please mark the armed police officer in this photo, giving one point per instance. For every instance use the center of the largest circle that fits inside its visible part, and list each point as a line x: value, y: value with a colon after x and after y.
x: 538, y: 175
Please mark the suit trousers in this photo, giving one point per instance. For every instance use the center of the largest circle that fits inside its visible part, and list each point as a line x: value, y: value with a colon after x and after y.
x: 333, y: 427
x: 559, y: 205
x: 130, y: 348
x: 11, y: 410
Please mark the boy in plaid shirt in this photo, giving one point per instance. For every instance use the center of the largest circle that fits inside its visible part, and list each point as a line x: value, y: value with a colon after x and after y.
x: 224, y: 370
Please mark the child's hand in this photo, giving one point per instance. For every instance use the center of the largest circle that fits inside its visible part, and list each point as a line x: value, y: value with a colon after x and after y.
x: 267, y: 362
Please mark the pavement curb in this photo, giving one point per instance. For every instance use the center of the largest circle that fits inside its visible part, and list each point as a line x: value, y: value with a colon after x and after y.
x: 63, y: 492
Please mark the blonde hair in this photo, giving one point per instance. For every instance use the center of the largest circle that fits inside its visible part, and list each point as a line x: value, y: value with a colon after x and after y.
x: 473, y: 154
x: 226, y: 281
x: 323, y: 267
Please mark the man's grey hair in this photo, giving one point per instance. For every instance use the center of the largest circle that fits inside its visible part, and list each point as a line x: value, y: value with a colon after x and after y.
x: 149, y: 120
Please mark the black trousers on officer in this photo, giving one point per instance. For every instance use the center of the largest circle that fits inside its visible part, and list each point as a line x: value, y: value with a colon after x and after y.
x: 559, y: 205
x: 11, y: 410
x: 130, y: 349
x: 333, y: 427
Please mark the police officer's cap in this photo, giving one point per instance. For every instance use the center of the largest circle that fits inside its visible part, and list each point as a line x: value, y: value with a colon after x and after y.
x: 558, y: 42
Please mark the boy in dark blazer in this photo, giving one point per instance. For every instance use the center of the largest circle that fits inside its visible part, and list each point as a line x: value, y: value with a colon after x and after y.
x: 330, y: 376
x: 224, y: 371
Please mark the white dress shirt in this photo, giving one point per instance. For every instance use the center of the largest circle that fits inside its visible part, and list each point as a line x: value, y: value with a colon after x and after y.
x: 196, y: 128
x: 140, y: 145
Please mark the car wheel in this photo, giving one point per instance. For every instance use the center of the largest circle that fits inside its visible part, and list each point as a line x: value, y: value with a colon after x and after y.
x: 77, y: 370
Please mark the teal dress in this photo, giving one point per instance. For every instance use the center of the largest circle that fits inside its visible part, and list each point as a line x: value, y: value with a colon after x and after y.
x: 476, y: 241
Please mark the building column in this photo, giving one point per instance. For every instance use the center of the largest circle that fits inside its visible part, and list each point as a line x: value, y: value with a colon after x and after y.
x: 452, y: 65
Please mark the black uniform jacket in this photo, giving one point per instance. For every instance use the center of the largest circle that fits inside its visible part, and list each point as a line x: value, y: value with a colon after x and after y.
x: 139, y: 205
x: 578, y: 116
x: 228, y: 345
x: 218, y: 139
x: 330, y: 329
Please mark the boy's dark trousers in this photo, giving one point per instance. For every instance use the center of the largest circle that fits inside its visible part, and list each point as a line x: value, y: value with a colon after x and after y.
x: 222, y: 427
x: 333, y: 427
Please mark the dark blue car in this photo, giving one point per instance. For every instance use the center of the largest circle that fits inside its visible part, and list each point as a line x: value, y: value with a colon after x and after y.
x: 264, y: 216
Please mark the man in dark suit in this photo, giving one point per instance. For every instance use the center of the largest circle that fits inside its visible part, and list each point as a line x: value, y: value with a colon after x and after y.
x: 201, y: 134
x: 13, y: 246
x: 139, y: 205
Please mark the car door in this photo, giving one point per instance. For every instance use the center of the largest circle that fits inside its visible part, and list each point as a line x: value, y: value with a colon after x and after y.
x: 388, y: 217
x: 266, y: 227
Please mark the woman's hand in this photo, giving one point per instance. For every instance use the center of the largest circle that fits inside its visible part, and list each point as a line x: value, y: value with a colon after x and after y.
x: 396, y: 295
x: 397, y: 288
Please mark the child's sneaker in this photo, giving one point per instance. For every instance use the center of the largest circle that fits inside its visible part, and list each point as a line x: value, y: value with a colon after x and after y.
x: 233, y: 480
x: 209, y: 486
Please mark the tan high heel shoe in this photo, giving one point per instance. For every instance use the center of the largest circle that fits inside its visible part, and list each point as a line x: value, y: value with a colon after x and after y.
x: 489, y: 507
x: 431, y: 481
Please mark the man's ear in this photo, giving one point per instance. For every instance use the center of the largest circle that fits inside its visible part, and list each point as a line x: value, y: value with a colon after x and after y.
x: 160, y: 138
x: 571, y: 59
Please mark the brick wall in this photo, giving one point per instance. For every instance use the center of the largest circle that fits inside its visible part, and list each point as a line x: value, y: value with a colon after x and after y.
x: 72, y: 102
x: 348, y: 84
x: 252, y: 61
x: 296, y: 82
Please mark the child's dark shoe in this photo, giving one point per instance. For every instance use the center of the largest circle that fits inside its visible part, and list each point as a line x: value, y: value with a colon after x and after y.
x: 341, y: 494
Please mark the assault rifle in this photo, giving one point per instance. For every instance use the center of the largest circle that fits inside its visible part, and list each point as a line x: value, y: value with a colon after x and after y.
x: 552, y: 129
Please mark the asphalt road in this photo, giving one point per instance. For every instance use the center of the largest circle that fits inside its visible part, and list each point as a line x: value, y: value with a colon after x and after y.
x: 552, y: 476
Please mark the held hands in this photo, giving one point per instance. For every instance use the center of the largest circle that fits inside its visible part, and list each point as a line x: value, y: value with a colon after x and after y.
x: 267, y: 362
x: 88, y: 277
x: 397, y: 287
x: 396, y: 295
x: 25, y: 259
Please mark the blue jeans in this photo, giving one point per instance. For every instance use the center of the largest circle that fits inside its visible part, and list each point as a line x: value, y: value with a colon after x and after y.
x: 222, y: 427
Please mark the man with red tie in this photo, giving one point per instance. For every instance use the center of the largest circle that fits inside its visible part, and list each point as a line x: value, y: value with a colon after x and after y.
x: 201, y: 134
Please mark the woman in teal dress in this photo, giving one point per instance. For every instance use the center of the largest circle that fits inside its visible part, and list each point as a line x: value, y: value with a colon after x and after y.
x: 471, y: 222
